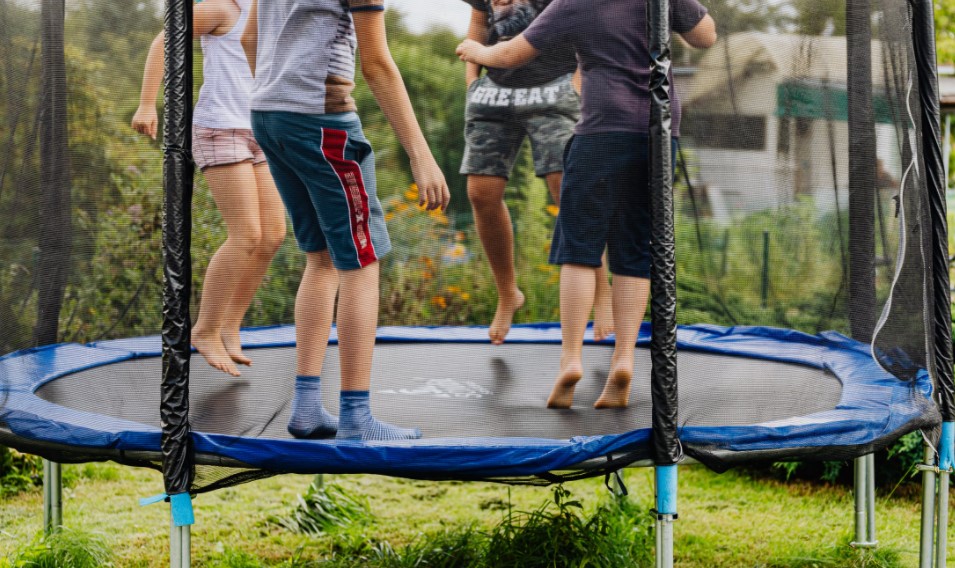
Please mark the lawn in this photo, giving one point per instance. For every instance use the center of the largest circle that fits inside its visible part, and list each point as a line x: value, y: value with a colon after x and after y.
x: 735, y: 519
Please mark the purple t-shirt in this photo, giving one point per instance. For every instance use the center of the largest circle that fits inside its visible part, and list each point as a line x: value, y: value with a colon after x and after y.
x: 613, y: 57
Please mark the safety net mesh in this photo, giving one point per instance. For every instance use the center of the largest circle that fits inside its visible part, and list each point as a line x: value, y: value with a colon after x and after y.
x: 803, y: 224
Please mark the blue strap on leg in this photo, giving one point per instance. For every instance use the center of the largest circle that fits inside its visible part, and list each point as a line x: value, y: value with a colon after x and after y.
x: 666, y: 489
x: 181, y: 504
x: 946, y: 447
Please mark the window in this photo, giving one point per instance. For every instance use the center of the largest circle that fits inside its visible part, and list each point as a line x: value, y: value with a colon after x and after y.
x: 725, y: 131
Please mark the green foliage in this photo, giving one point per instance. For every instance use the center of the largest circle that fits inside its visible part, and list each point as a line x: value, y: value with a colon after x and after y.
x: 18, y: 472
x: 323, y: 508
x: 61, y: 549
x: 840, y: 555
x: 566, y: 537
x: 945, y: 31
x: 461, y: 547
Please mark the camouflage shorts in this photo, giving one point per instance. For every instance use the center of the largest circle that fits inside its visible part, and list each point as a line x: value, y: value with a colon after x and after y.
x: 498, y: 118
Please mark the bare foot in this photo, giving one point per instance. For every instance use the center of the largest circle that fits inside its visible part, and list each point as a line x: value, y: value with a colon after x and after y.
x: 603, y: 318
x: 233, y: 346
x: 506, y: 308
x: 562, y: 396
x: 616, y: 393
x: 214, y: 352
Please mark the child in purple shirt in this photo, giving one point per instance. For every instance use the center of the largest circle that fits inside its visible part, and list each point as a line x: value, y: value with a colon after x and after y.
x: 605, y: 190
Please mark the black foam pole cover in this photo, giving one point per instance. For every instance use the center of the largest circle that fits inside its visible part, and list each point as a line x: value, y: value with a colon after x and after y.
x: 666, y: 447
x: 923, y: 34
x: 178, y: 170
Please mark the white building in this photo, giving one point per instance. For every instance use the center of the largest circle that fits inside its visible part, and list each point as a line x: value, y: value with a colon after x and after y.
x: 765, y: 122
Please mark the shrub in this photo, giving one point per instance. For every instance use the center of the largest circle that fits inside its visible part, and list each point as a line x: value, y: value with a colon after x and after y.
x: 18, y: 472
x: 62, y: 548
x: 325, y: 507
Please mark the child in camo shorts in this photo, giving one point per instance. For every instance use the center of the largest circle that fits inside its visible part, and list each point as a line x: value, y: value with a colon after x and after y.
x: 538, y: 101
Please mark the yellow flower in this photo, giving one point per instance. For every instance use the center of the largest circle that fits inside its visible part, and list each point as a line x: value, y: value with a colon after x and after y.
x: 453, y: 289
x: 412, y: 193
x: 440, y: 302
x: 389, y: 216
x: 465, y: 296
x: 401, y: 207
x: 553, y: 210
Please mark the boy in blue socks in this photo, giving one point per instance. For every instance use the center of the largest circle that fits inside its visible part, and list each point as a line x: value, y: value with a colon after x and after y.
x: 604, y: 194
x: 302, y: 55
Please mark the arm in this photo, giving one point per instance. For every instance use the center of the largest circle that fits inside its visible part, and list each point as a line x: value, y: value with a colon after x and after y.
x: 383, y: 78
x: 207, y: 18
x: 146, y: 121
x: 250, y: 36
x: 477, y: 31
x: 703, y: 35
x: 506, y: 54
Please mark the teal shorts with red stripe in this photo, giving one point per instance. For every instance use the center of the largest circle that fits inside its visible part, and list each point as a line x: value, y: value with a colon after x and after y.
x: 324, y: 169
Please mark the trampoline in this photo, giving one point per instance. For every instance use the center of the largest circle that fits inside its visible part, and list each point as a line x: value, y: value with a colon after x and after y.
x: 481, y: 407
x: 809, y: 196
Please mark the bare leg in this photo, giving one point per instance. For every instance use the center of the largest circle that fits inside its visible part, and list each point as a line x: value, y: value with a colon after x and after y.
x: 272, y: 227
x: 357, y: 323
x: 233, y: 187
x: 314, y: 311
x: 493, y: 222
x: 577, y: 285
x: 629, y: 304
x: 603, y: 305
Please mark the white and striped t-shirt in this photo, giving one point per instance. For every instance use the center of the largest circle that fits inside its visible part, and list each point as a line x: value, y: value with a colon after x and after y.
x: 305, y: 61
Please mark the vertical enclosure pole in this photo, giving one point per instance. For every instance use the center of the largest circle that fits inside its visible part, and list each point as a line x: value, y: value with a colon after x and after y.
x: 663, y: 377
x: 923, y: 35
x: 55, y: 215
x: 178, y: 171
x: 862, y: 177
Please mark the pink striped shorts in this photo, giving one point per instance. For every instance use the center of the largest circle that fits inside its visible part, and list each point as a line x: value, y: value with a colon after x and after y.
x: 223, y: 146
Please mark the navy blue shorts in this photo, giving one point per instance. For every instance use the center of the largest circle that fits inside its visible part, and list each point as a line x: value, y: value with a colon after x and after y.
x: 605, y: 203
x: 324, y: 169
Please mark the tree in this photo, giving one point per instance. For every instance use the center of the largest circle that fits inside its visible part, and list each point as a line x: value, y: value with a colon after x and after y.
x: 945, y: 31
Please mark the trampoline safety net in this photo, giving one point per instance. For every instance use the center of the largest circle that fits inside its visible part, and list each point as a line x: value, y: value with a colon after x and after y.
x: 805, y: 213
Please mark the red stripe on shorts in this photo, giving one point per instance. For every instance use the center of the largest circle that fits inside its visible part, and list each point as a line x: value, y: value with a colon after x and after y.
x: 353, y: 185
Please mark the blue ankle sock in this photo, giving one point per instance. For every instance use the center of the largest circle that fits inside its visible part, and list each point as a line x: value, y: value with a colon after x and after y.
x: 309, y: 418
x: 357, y: 423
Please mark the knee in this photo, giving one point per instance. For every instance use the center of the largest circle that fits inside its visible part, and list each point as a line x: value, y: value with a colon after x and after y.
x: 248, y: 241
x: 482, y: 199
x: 272, y: 240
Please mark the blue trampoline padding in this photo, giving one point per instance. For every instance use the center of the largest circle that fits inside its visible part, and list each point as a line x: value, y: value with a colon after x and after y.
x: 874, y: 404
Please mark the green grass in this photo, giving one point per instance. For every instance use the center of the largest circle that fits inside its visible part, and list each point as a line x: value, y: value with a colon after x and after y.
x: 728, y: 520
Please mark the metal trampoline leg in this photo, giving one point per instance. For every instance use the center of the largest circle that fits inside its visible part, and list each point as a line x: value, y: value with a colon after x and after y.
x: 864, y: 489
x: 665, y: 482
x: 179, y: 546
x: 926, y: 542
x: 941, y: 543
x: 52, y: 496
x: 870, y: 498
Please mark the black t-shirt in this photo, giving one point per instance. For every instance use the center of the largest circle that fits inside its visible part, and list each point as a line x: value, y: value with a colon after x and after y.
x: 507, y: 19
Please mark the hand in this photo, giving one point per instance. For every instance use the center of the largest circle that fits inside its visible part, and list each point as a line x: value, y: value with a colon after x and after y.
x: 433, y: 190
x: 145, y: 121
x: 470, y: 51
